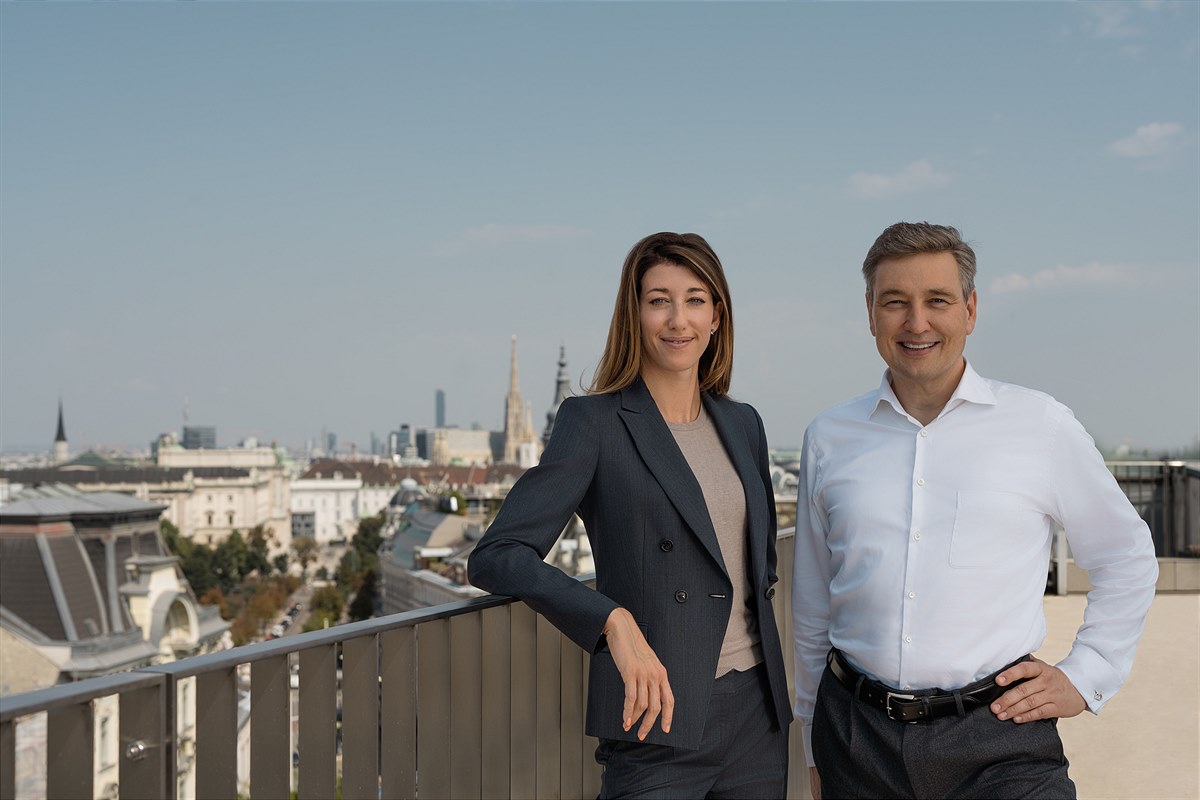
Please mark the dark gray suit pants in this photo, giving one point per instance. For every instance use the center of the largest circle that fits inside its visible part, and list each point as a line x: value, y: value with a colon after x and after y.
x: 743, y: 753
x: 860, y: 752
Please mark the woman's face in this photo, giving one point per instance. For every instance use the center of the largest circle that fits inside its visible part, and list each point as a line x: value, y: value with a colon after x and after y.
x: 677, y: 313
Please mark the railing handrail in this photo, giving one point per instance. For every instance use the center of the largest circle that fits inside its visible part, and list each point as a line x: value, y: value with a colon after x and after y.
x: 67, y: 694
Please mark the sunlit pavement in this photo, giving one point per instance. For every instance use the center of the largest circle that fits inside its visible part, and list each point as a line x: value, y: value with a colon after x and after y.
x: 1146, y: 741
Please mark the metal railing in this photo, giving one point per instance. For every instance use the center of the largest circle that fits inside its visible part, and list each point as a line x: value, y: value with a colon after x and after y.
x: 478, y: 698
x: 1166, y: 495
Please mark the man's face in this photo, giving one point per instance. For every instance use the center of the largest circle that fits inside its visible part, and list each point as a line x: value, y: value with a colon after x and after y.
x: 920, y: 322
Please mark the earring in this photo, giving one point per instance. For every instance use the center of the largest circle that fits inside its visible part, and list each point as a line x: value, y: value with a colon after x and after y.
x: 712, y: 331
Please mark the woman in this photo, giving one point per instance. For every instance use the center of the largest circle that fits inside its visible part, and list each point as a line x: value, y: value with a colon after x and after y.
x: 671, y: 480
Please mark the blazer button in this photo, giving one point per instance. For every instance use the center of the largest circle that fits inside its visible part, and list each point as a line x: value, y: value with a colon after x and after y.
x: 681, y: 596
x: 770, y: 593
x: 665, y: 545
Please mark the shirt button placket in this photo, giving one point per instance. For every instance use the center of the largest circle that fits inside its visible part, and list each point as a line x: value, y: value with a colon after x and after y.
x: 920, y: 444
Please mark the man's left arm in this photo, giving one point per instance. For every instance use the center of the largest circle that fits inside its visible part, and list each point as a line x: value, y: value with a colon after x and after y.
x: 1112, y: 543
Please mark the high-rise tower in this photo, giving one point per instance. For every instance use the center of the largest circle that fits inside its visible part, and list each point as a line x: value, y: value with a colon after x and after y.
x: 61, y: 451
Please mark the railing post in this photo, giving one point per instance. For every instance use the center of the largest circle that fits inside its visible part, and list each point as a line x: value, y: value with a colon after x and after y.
x: 8, y: 760
x: 69, y: 767
x: 216, y: 734
x: 270, y: 759
x: 146, y: 744
x: 318, y: 738
x: 360, y: 718
x: 433, y: 701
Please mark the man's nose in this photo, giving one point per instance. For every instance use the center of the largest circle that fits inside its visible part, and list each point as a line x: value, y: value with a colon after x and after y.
x: 917, y: 320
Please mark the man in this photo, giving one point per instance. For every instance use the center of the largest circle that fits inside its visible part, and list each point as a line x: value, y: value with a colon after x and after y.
x: 926, y: 514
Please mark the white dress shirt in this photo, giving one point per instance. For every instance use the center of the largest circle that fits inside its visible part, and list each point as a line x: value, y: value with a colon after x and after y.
x: 922, y: 550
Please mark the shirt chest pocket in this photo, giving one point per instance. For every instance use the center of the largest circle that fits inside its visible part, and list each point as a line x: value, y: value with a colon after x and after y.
x: 992, y: 529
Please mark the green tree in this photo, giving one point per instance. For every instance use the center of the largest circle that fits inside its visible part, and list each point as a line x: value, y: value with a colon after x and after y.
x: 199, y: 569
x: 363, y: 605
x: 280, y: 562
x: 230, y: 561
x: 325, y: 608
x: 258, y: 555
x: 176, y: 544
x: 306, y: 549
x: 347, y: 570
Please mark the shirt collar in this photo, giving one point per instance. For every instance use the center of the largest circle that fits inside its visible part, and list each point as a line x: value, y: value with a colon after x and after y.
x: 971, y: 389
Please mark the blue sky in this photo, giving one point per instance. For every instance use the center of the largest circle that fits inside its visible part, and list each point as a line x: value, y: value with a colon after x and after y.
x: 307, y: 215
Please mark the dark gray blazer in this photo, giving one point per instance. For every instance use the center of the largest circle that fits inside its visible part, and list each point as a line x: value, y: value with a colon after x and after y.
x: 613, y: 458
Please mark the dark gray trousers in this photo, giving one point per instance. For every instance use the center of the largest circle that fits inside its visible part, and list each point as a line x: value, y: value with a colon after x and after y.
x: 860, y: 752
x: 743, y: 753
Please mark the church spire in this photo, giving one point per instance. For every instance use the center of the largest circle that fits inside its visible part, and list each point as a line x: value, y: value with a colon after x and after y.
x: 562, y: 390
x: 61, y: 436
x: 61, y: 451
x: 514, y: 383
x: 520, y: 442
x: 514, y: 413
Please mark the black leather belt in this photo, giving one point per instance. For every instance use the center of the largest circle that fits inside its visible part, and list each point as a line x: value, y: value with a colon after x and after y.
x: 918, y: 706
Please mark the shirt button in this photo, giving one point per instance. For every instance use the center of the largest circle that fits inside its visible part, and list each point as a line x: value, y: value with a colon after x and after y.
x: 920, y: 481
x: 917, y: 536
x: 911, y: 595
x: 924, y: 432
x: 665, y: 545
x: 681, y: 596
x: 908, y: 639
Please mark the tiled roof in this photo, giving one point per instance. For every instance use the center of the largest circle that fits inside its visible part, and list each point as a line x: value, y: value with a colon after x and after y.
x: 388, y: 474
x: 75, y: 474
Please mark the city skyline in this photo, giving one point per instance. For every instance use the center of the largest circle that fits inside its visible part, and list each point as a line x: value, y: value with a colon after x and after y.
x: 307, y: 215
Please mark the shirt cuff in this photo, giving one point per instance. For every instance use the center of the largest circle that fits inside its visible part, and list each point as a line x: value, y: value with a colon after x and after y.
x: 806, y: 731
x: 1091, y: 676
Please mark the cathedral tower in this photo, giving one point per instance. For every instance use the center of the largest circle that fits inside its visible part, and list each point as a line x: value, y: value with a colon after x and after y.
x: 520, y: 442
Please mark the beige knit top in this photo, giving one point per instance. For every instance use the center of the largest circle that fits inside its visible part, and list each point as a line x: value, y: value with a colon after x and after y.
x: 726, y: 501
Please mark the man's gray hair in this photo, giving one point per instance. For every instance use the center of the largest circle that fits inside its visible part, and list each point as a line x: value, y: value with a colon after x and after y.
x: 912, y: 238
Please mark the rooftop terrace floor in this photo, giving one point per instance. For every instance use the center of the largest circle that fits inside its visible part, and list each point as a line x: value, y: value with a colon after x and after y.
x: 1146, y: 741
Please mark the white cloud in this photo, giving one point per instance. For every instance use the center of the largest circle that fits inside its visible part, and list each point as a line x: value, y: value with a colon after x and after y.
x: 1153, y: 139
x: 916, y: 177
x: 1110, y: 21
x: 495, y: 235
x: 1064, y: 277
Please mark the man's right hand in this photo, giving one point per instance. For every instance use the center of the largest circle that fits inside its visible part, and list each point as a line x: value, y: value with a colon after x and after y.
x: 647, y: 691
x: 814, y: 783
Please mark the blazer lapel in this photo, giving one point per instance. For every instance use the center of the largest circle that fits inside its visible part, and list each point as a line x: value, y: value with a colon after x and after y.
x: 735, y: 437
x: 662, y: 456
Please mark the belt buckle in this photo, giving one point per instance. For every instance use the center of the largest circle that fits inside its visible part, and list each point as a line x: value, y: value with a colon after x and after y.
x: 887, y: 705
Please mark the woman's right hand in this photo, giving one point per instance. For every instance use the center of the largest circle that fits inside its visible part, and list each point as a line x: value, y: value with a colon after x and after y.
x: 647, y: 691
